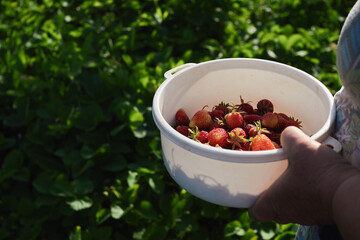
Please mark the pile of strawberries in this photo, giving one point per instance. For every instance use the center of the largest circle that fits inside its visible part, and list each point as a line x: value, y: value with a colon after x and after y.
x: 237, y: 127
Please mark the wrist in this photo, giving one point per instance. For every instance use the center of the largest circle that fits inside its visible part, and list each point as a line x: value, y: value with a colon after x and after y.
x: 346, y: 205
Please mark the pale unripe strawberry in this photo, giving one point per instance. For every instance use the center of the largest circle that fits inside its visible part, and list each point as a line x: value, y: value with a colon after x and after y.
x: 201, y: 119
x: 269, y: 120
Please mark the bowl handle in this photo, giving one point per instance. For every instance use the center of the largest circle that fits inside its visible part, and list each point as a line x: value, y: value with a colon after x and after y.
x: 170, y: 73
x: 333, y: 143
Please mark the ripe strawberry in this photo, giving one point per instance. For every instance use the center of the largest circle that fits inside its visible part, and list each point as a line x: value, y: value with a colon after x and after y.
x: 218, y: 137
x: 293, y: 122
x: 262, y: 142
x: 181, y: 118
x: 234, y: 120
x: 217, y: 113
x: 223, y: 107
x: 245, y: 107
x: 254, y: 129
x: 237, y: 137
x: 265, y: 106
x: 252, y: 118
x: 282, y: 121
x: 238, y: 131
x: 184, y: 130
x: 203, y: 136
x: 200, y: 136
x: 218, y: 124
x: 246, y: 146
x: 201, y: 119
x: 269, y: 120
x: 276, y: 145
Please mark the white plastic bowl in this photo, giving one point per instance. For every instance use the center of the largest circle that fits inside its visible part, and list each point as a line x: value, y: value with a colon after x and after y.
x: 227, y: 177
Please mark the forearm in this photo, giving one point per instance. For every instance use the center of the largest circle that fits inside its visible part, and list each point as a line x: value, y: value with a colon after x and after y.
x: 346, y: 206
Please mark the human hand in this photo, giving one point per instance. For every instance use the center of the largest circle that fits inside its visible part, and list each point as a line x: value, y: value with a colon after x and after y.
x: 304, y: 193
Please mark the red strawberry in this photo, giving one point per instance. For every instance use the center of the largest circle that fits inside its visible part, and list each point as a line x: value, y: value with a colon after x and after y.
x: 245, y: 146
x: 218, y: 137
x: 223, y: 107
x: 184, y: 130
x: 234, y: 120
x: 238, y: 131
x: 245, y: 107
x: 293, y: 122
x: 203, y: 136
x: 265, y: 106
x: 218, y: 124
x: 252, y: 118
x: 181, y: 118
x: 201, y: 119
x: 249, y: 128
x: 282, y: 121
x: 237, y: 137
x: 200, y: 136
x: 253, y: 130
x: 217, y: 113
x: 276, y: 145
x: 269, y: 120
x: 262, y: 142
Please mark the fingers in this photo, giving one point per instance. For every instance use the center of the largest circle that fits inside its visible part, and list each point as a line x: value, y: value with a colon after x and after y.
x: 294, y: 142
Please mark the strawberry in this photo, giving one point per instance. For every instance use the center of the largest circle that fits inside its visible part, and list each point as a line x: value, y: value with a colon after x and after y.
x: 264, y: 106
x: 218, y: 124
x: 282, y: 121
x: 223, y: 107
x: 245, y: 146
x: 201, y: 119
x: 262, y: 142
x: 245, y: 107
x: 249, y: 130
x: 200, y: 136
x: 276, y: 145
x: 218, y: 137
x: 203, y: 136
x: 269, y: 120
x: 237, y: 137
x: 293, y: 122
x: 217, y: 113
x: 181, y: 118
x: 234, y: 120
x: 184, y: 130
x: 252, y: 118
x: 253, y: 130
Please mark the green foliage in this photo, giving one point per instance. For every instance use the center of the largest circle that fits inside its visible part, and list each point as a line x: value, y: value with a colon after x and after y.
x: 80, y: 154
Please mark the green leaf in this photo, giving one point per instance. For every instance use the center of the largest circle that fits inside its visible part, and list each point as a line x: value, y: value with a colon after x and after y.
x: 88, y: 117
x: 115, y: 164
x: 13, y: 160
x: 132, y: 178
x: 102, y: 215
x: 83, y: 186
x: 80, y: 204
x: 147, y: 210
x: 62, y: 187
x: 267, y: 230
x: 234, y: 228
x: 116, y: 211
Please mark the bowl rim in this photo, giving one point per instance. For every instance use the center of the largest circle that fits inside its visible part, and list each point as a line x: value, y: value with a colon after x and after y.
x: 229, y: 155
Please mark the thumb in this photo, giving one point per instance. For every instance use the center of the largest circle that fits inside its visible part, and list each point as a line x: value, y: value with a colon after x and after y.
x: 265, y: 208
x: 295, y: 141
